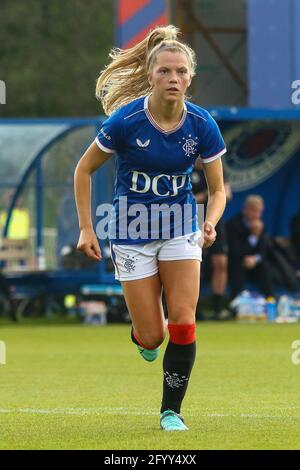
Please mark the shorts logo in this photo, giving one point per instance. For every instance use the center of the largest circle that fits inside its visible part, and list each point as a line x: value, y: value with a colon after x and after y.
x: 189, y: 145
x: 141, y: 144
x: 129, y: 264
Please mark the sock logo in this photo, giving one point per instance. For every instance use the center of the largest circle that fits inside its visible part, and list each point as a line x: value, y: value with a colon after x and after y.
x: 175, y: 380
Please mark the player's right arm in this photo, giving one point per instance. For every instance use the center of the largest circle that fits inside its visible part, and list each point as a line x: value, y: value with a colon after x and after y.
x: 92, y: 159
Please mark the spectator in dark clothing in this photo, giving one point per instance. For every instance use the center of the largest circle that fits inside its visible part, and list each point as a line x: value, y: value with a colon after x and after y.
x: 295, y: 234
x: 6, y: 302
x: 216, y: 255
x: 248, y: 244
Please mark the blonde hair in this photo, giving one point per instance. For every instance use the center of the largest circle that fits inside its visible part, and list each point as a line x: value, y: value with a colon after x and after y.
x: 126, y: 77
x: 254, y: 200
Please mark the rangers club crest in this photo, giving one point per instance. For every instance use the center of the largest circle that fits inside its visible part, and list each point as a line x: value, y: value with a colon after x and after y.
x: 174, y: 380
x: 189, y: 145
x: 129, y: 264
x: 257, y: 149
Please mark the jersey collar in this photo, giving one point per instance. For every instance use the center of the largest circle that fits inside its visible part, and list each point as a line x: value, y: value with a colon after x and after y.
x: 157, y: 126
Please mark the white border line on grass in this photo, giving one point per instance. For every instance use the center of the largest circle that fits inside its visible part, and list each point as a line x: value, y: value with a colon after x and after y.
x: 136, y: 412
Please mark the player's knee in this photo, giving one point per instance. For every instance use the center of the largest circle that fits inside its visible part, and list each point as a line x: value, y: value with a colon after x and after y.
x: 220, y: 263
x: 182, y: 314
x: 153, y: 339
x: 153, y: 342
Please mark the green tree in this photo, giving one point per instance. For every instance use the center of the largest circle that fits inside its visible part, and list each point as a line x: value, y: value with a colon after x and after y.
x: 51, y: 53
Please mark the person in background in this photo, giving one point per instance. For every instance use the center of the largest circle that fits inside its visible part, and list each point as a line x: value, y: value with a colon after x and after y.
x: 248, y: 244
x: 7, y: 305
x: 295, y: 234
x: 19, y: 225
x: 217, y: 255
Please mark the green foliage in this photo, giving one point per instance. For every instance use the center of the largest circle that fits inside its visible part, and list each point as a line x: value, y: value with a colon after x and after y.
x: 51, y: 53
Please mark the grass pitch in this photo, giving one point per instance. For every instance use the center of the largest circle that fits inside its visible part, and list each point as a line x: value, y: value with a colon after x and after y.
x: 79, y: 387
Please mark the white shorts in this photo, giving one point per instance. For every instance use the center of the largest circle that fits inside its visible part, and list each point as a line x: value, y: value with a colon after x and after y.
x: 141, y: 260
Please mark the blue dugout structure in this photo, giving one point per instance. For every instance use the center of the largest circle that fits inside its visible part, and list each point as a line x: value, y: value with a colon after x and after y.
x: 38, y: 158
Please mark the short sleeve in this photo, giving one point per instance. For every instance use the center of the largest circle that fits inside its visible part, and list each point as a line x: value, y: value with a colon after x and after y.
x: 109, y: 137
x: 212, y: 145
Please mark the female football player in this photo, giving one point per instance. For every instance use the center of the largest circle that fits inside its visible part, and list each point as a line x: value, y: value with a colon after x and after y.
x: 157, y: 136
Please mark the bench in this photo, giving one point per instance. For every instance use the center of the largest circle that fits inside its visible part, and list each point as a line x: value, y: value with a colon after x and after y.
x: 15, y: 254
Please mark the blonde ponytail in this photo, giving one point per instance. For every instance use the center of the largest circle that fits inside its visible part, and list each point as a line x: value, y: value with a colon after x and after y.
x: 125, y: 78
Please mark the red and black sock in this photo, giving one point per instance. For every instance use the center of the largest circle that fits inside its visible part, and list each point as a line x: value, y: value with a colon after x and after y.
x: 177, y: 365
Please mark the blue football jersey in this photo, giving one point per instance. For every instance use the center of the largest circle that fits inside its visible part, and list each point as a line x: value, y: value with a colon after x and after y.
x: 153, y: 191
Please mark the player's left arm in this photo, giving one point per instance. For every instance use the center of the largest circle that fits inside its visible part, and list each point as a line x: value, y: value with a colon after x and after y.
x: 216, y: 199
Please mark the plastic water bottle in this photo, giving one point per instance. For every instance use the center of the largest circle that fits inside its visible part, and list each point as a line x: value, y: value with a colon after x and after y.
x: 295, y: 308
x: 284, y: 306
x: 242, y: 304
x: 271, y: 308
x: 258, y: 306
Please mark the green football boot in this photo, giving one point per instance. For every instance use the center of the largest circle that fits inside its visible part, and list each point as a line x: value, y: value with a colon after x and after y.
x: 171, y: 421
x: 148, y: 354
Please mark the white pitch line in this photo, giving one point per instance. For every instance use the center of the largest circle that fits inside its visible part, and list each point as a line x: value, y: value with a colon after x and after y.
x: 134, y: 412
